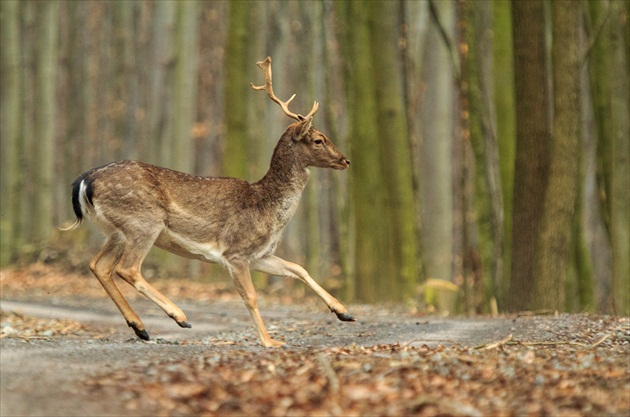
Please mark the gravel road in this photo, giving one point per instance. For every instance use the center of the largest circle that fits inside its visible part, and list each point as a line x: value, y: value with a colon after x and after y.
x: 44, y: 376
x: 47, y: 375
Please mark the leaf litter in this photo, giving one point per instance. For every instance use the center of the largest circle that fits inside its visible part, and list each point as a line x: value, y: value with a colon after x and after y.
x: 512, y: 378
x: 569, y: 365
x: 17, y: 325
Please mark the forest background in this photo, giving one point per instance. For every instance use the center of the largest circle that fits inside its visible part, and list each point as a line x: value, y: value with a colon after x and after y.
x: 489, y: 140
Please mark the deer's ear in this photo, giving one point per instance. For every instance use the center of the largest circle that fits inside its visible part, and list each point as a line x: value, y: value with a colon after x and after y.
x: 303, y: 127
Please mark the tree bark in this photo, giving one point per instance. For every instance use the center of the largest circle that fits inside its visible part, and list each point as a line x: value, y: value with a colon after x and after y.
x: 436, y: 177
x: 620, y: 181
x: 609, y: 83
x: 532, y: 146
x: 395, y: 150
x: 10, y: 129
x: 503, y: 76
x: 185, y: 83
x: 237, y: 95
x: 555, y: 240
x: 368, y: 226
x: 45, y: 130
x: 160, y: 95
x: 488, y: 198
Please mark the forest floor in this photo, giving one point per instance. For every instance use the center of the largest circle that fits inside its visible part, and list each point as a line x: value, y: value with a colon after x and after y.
x: 65, y: 350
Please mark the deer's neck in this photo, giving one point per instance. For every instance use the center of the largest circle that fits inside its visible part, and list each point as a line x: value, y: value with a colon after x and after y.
x: 287, y: 175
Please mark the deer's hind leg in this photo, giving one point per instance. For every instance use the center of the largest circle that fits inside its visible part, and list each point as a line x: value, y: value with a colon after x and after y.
x: 102, y: 266
x: 129, y: 269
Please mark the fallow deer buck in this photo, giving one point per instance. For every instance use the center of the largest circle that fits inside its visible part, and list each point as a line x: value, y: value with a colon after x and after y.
x: 220, y: 220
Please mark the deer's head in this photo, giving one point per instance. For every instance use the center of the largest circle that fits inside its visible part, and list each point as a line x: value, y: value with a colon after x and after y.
x: 312, y: 146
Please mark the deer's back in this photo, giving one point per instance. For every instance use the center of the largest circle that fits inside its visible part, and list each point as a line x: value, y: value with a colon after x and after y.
x: 199, y: 217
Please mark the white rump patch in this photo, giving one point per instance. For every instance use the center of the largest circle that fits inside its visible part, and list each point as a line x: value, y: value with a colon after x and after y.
x: 83, y: 199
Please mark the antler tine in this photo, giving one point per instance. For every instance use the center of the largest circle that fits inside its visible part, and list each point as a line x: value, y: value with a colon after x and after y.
x: 313, y: 111
x: 268, y: 87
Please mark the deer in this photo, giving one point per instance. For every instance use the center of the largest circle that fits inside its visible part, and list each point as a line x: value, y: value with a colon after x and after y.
x: 227, y: 221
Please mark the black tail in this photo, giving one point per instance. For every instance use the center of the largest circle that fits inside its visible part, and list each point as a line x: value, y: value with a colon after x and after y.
x: 76, y: 190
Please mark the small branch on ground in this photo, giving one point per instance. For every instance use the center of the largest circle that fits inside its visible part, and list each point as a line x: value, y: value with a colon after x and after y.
x: 494, y: 345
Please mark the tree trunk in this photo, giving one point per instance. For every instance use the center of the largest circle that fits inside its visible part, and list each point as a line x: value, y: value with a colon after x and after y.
x: 10, y: 129
x: 396, y: 153
x: 609, y: 84
x: 503, y: 76
x: 160, y: 102
x: 368, y: 217
x: 532, y: 149
x: 414, y: 21
x: 556, y: 229
x: 185, y: 92
x: 333, y: 89
x: 436, y: 177
x: 488, y: 197
x: 44, y: 152
x: 315, y: 198
x: 620, y: 175
x: 237, y: 91
x: 124, y: 76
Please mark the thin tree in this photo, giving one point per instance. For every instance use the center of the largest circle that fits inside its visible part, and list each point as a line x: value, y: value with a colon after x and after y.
x: 532, y: 150
x: 45, y: 120
x: 608, y: 68
x: 11, y: 81
x: 237, y: 92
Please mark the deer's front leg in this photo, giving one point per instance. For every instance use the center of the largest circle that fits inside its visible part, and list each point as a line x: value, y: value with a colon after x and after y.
x: 273, y: 265
x: 243, y: 282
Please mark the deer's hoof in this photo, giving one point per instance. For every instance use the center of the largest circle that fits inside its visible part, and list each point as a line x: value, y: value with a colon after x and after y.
x: 184, y: 324
x: 345, y: 317
x: 274, y: 344
x: 142, y: 334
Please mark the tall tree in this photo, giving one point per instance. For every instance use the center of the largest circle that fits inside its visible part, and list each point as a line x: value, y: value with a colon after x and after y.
x: 185, y: 97
x: 11, y: 81
x: 339, y: 210
x: 396, y: 153
x: 488, y: 196
x: 503, y: 76
x: 609, y: 83
x: 237, y: 91
x: 159, y: 100
x: 436, y: 149
x: 555, y: 239
x: 532, y: 145
x: 124, y: 81
x: 366, y: 186
x: 620, y: 197
x: 45, y: 122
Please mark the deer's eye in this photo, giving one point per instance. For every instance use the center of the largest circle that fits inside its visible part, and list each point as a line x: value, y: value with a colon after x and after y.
x: 318, y: 141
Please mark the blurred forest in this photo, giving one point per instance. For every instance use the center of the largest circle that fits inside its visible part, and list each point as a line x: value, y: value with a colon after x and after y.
x: 489, y: 140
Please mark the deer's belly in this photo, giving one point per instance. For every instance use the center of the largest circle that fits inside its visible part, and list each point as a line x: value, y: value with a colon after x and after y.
x: 181, y: 245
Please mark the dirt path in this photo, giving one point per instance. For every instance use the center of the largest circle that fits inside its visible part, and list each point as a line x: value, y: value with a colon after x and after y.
x: 65, y: 350
x: 101, y: 370
x: 45, y: 376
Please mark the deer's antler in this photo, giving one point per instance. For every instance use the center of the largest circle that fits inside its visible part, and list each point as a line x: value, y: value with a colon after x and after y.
x: 268, y: 87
